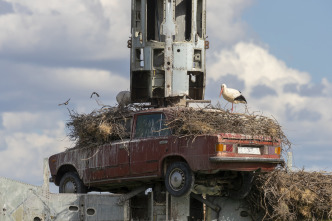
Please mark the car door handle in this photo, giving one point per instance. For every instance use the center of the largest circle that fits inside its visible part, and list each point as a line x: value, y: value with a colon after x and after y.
x: 163, y: 142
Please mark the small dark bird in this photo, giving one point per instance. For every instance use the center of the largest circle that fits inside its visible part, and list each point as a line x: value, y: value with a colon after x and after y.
x: 95, y: 94
x: 65, y: 103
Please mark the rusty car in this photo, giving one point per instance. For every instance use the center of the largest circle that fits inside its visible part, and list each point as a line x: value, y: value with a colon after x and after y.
x: 220, y: 163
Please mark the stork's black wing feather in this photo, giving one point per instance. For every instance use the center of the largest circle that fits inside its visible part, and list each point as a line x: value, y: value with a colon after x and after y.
x: 240, y: 98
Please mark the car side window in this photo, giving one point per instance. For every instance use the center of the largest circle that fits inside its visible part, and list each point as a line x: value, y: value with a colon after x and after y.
x: 126, y: 124
x: 151, y: 125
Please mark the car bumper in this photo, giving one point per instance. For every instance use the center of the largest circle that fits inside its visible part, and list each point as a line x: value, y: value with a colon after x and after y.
x: 246, y: 160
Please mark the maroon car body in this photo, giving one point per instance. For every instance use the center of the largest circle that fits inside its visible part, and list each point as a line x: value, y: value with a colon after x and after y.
x: 144, y: 157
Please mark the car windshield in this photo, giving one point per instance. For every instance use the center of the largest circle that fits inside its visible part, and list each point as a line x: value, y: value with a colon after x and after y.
x: 151, y: 125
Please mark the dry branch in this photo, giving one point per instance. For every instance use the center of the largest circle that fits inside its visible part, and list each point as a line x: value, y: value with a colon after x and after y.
x: 196, y: 122
x: 301, y: 195
x: 105, y: 124
x: 98, y: 127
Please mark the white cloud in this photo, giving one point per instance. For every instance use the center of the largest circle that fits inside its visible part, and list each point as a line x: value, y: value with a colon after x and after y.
x: 89, y: 79
x: 327, y: 87
x: 224, y: 23
x: 33, y: 127
x: 306, y: 119
x: 54, y: 80
x: 256, y: 66
x: 17, y: 121
x: 74, y: 29
x: 27, y: 142
x: 77, y: 79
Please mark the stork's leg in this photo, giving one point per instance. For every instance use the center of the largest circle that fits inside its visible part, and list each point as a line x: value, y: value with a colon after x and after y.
x: 232, y: 107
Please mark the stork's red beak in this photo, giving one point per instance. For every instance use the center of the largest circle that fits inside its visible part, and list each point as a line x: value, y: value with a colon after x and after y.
x: 221, y: 92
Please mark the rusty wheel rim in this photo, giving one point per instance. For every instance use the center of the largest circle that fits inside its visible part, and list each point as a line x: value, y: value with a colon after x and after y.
x: 177, y: 179
x: 70, y: 187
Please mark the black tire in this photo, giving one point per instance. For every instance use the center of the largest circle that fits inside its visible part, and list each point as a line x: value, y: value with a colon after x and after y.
x: 71, y: 183
x: 179, y: 179
x: 243, y: 185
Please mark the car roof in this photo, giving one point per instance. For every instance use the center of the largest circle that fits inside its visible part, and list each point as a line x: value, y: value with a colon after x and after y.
x: 177, y: 108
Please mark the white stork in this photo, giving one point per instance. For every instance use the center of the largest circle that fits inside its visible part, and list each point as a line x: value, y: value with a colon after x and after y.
x: 232, y: 95
x: 123, y: 98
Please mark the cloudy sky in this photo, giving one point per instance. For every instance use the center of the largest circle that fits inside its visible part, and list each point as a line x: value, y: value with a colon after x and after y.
x: 278, y: 53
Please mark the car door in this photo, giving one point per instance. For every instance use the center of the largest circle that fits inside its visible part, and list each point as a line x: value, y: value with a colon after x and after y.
x: 111, y: 160
x: 150, y: 142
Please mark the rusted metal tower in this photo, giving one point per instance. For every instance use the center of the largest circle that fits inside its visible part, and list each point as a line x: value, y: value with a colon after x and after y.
x: 168, y: 44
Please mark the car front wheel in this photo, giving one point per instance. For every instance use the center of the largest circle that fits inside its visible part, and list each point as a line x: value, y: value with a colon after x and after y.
x: 71, y: 183
x: 179, y: 179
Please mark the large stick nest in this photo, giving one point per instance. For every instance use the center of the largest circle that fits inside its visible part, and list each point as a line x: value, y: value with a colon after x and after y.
x: 301, y: 195
x: 98, y: 127
x: 106, y: 124
x: 196, y: 122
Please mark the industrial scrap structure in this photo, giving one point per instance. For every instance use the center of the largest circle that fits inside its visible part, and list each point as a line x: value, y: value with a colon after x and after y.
x: 167, y: 50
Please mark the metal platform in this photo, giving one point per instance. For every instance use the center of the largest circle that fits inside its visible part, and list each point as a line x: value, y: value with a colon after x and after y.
x: 24, y: 202
x: 20, y: 201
